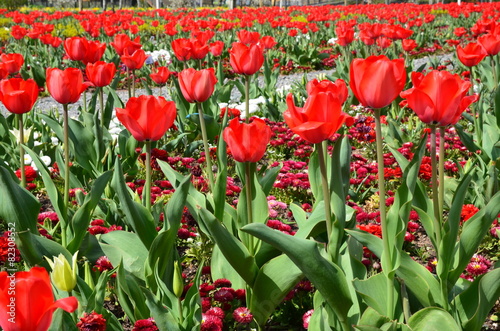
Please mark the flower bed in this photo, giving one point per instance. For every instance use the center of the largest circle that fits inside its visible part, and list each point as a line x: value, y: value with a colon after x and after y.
x: 195, y: 207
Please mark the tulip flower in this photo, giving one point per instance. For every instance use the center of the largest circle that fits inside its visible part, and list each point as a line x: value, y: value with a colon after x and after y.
x: 409, y: 45
x: 216, y: 48
x: 95, y: 50
x: 377, y: 81
x: 438, y: 98
x: 267, y: 42
x: 76, y: 48
x: 160, y: 75
x: 197, y: 85
x: 319, y: 119
x: 240, y: 138
x: 248, y: 37
x: 199, y: 49
x: 490, y: 43
x: 182, y: 49
x: 338, y: 88
x: 100, y: 73
x: 471, y: 54
x: 12, y: 62
x: 123, y: 41
x: 135, y: 60
x: 246, y: 60
x: 32, y: 302
x: 63, y: 274
x: 147, y: 118
x: 19, y: 96
x: 65, y: 86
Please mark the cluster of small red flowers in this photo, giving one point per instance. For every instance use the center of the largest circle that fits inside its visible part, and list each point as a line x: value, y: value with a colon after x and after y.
x: 217, y: 300
x: 363, y: 129
x: 103, y: 264
x: 97, y: 227
x: 477, y: 266
x: 278, y: 225
x: 148, y: 324
x: 4, y: 248
x: 30, y: 173
x: 467, y: 212
x: 293, y: 175
x: 188, y: 226
x: 92, y: 322
x: 363, y: 172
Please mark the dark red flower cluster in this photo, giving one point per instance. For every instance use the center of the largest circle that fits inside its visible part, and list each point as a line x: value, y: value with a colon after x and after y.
x: 31, y: 173
x: 92, y: 322
x: 148, y: 324
x: 8, y: 249
x: 97, y: 227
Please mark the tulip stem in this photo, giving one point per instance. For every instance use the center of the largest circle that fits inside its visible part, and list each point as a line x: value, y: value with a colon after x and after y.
x: 133, y: 83
x: 386, y: 258
x: 21, y: 150
x: 326, y: 196
x: 435, y: 192
x: 147, y: 186
x: 247, y: 98
x: 441, y: 169
x: 248, y: 188
x: 84, y: 101
x: 128, y: 85
x: 66, y: 171
x: 100, y: 124
x: 494, y: 69
x: 210, y: 173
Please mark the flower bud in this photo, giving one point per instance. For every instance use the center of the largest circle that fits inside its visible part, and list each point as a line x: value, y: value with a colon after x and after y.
x: 63, y: 275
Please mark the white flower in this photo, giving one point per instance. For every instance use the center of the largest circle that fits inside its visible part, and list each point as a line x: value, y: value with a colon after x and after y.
x: 54, y: 141
x: 27, y: 159
x: 46, y: 160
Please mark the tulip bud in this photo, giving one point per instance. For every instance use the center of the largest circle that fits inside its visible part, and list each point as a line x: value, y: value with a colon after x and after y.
x: 88, y: 275
x: 178, y: 281
x: 63, y: 275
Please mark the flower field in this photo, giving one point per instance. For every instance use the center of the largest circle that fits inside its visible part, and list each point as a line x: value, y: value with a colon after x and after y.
x: 157, y: 174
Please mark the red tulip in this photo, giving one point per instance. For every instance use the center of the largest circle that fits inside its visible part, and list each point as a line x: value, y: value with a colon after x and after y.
x: 242, y: 142
x: 18, y: 95
x: 182, y: 49
x: 320, y: 117
x: 471, y: 54
x: 338, y: 88
x: 439, y: 97
x: 147, y: 117
x: 123, y: 41
x: 345, y: 34
x: 199, y: 49
x: 100, y: 73
x: 377, y: 81
x: 65, y: 86
x: 27, y: 298
x: 134, y: 61
x: 12, y: 62
x: 76, y: 48
x: 216, y: 48
x: 161, y: 75
x: 3, y: 71
x: 267, y: 42
x: 409, y: 45
x: 246, y: 60
x: 95, y: 50
x: 248, y: 37
x: 197, y: 85
x: 490, y: 43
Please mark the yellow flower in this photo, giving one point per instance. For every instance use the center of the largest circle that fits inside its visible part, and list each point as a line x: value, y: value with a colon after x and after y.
x: 63, y: 275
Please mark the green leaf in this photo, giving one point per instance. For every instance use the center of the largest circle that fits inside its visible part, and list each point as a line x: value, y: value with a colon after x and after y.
x: 339, y: 179
x: 497, y: 106
x: 35, y: 247
x: 129, y: 287
x: 272, y: 285
x: 136, y: 215
x: 374, y: 292
x: 162, y: 315
x: 432, y: 319
x: 83, y: 215
x: 315, y: 176
x: 326, y: 276
x: 18, y: 208
x: 221, y: 268
x: 474, y: 304
x: 473, y: 232
x: 416, y: 277
x: 371, y: 320
x: 125, y: 246
x: 234, y: 251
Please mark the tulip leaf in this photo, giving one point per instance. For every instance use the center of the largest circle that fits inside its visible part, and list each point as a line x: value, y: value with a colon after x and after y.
x: 18, y: 208
x: 315, y: 177
x: 62, y: 321
x: 374, y: 292
x: 82, y: 217
x: 162, y: 315
x: 34, y: 248
x: 497, y: 106
x: 272, y: 285
x: 130, y: 291
x: 371, y: 320
x: 235, y: 252
x: 432, y: 318
x: 327, y: 277
x: 422, y: 284
x: 491, y: 137
x: 339, y: 179
x: 221, y: 268
x: 474, y: 304
x: 127, y: 247
x: 136, y: 215
x: 472, y: 234
x: 82, y: 138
